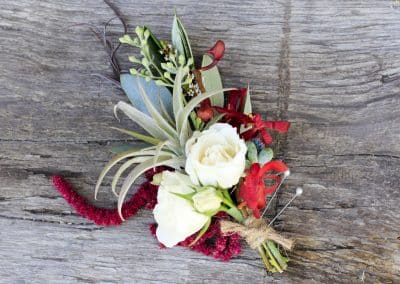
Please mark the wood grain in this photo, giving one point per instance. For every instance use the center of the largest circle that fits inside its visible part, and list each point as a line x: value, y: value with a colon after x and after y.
x: 330, y: 67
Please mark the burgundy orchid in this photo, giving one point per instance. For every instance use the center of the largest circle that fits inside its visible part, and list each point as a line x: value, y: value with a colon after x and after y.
x: 260, y: 127
x: 253, y: 191
x: 205, y: 112
x: 234, y: 115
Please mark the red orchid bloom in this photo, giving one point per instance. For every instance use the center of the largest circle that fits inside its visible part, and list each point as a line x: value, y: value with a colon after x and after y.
x: 234, y: 115
x: 205, y: 112
x: 260, y: 127
x: 234, y: 109
x: 217, y: 52
x: 253, y: 191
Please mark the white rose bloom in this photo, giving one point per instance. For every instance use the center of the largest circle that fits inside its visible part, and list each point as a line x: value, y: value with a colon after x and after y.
x: 216, y: 156
x: 176, y: 217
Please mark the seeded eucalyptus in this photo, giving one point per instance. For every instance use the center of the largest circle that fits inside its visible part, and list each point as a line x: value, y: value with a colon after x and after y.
x: 161, y: 60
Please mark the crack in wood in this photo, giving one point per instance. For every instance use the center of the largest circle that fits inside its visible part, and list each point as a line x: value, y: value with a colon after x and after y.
x: 284, y: 85
x: 367, y: 155
x: 46, y: 221
x: 43, y: 211
x: 332, y: 248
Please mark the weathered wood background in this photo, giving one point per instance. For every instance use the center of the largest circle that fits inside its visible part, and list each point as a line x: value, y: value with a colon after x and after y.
x: 330, y: 67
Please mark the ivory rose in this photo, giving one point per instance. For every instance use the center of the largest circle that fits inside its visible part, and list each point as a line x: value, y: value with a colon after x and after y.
x: 176, y: 217
x: 216, y: 156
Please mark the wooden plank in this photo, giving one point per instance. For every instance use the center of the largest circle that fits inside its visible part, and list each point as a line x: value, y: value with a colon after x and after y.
x: 332, y: 68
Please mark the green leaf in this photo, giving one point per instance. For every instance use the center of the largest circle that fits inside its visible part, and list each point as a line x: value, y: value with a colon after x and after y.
x: 145, y: 121
x: 236, y: 214
x: 156, y: 94
x: 158, y: 152
x: 265, y: 156
x: 184, y: 115
x: 131, y: 153
x: 122, y: 148
x: 272, y: 259
x: 180, y: 39
x: 137, y: 135
x: 154, y: 47
x: 139, y: 170
x: 156, y: 114
x: 177, y: 98
x: 123, y: 168
x: 212, y: 81
x: 247, y: 109
x: 187, y: 196
x: 202, y: 231
x: 251, y: 152
x: 278, y: 256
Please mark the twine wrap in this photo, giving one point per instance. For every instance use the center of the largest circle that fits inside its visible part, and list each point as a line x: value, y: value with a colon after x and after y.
x: 255, y: 232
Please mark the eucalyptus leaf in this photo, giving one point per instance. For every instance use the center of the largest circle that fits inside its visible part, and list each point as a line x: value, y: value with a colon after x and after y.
x: 251, y: 152
x: 265, y: 156
x: 180, y: 39
x: 131, y: 86
x: 212, y: 81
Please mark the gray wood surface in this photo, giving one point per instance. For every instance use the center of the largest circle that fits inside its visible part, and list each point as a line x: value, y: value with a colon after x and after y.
x: 330, y: 67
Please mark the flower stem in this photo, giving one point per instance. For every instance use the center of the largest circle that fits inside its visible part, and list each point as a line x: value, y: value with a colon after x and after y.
x: 235, y: 213
x: 278, y: 256
x: 272, y: 260
x: 265, y: 259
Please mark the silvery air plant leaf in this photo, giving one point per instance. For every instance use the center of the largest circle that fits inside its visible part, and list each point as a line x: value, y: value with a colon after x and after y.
x: 159, y: 96
x: 212, y: 81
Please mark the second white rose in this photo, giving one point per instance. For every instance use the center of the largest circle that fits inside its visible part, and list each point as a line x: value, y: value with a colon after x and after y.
x: 216, y: 156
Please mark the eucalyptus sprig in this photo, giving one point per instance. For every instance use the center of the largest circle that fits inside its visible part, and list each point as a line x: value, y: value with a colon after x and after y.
x: 161, y: 60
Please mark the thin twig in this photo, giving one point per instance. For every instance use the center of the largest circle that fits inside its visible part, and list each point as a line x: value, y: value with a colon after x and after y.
x: 108, y: 78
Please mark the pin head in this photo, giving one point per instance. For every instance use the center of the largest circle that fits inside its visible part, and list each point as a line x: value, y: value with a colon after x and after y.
x: 299, y: 191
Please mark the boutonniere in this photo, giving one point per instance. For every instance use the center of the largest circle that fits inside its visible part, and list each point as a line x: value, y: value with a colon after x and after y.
x: 209, y: 165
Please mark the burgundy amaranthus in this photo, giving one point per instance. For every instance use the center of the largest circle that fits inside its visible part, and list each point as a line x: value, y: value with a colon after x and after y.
x: 212, y: 243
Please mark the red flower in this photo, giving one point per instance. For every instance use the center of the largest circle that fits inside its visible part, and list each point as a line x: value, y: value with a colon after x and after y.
x: 234, y: 109
x: 217, y: 52
x: 253, y: 190
x: 260, y: 127
x: 234, y: 115
x: 205, y: 112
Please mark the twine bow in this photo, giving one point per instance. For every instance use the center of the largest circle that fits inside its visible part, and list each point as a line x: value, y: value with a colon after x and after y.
x: 255, y: 232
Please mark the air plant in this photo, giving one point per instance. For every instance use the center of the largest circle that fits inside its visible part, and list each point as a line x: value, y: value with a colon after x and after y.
x: 167, y: 134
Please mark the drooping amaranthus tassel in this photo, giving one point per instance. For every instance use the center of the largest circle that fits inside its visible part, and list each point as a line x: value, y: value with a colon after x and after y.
x: 213, y: 243
x: 104, y: 216
x: 145, y: 196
